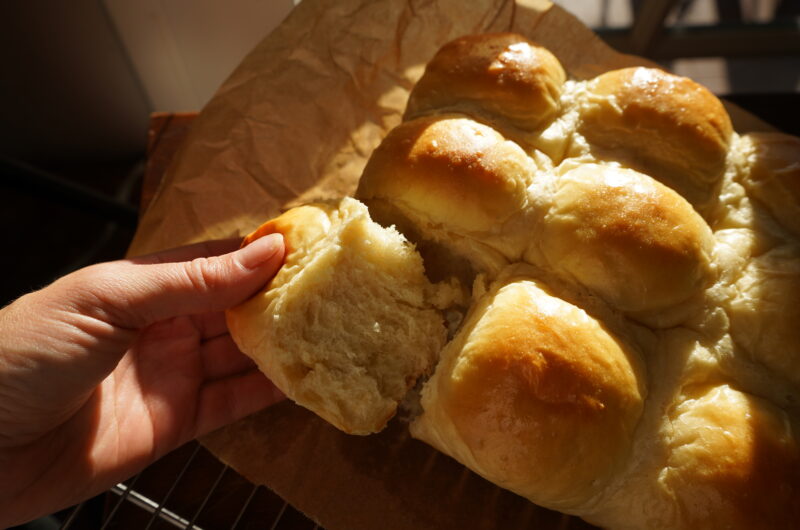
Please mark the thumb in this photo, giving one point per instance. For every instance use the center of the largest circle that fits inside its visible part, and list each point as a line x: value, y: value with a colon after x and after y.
x: 133, y: 295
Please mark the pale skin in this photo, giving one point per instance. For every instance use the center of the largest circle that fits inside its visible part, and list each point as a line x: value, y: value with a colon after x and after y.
x: 113, y: 366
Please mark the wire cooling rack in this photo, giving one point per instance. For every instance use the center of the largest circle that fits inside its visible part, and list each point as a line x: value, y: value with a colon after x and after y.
x: 187, y: 489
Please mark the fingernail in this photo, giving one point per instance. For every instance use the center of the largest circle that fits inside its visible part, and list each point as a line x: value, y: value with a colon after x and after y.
x: 260, y: 251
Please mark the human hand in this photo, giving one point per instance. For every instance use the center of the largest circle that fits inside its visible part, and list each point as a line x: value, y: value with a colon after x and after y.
x: 114, y: 365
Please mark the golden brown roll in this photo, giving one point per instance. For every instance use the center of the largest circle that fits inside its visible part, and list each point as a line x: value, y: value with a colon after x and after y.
x: 501, y: 75
x: 459, y: 182
x: 535, y: 395
x: 348, y: 324
x: 663, y: 125
x: 734, y: 462
x: 772, y: 175
x: 629, y: 239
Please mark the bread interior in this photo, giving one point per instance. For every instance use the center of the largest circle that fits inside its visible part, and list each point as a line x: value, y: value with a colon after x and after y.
x: 371, y: 323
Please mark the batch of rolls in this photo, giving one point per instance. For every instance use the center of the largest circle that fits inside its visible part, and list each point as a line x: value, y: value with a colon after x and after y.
x: 630, y: 352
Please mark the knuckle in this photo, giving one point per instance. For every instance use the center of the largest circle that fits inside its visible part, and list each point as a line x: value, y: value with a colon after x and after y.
x: 205, y: 274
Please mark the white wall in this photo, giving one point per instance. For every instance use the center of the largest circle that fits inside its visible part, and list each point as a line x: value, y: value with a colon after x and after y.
x: 182, y: 50
x: 79, y: 78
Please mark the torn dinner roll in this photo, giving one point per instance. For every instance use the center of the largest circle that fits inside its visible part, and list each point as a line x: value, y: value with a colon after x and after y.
x: 349, y: 323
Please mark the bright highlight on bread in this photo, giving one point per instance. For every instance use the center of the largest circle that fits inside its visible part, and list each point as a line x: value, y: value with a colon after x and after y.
x: 500, y: 76
x: 617, y: 232
x: 664, y: 125
x: 534, y: 394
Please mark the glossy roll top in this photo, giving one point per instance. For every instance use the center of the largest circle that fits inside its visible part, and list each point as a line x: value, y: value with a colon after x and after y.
x: 534, y: 394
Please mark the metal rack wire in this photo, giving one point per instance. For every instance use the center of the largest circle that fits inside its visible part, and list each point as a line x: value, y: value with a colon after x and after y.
x: 131, y: 505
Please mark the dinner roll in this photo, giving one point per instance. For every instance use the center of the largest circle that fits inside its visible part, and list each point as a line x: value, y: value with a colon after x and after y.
x: 765, y: 313
x: 628, y: 238
x: 534, y: 394
x: 496, y: 76
x: 772, y: 175
x: 348, y: 324
x: 734, y: 462
x: 665, y: 126
x: 458, y: 182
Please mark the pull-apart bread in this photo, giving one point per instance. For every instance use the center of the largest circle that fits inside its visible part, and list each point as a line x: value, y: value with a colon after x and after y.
x: 586, y: 291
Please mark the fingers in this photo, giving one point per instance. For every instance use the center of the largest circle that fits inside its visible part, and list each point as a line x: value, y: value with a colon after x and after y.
x: 133, y: 295
x: 210, y: 325
x: 227, y: 400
